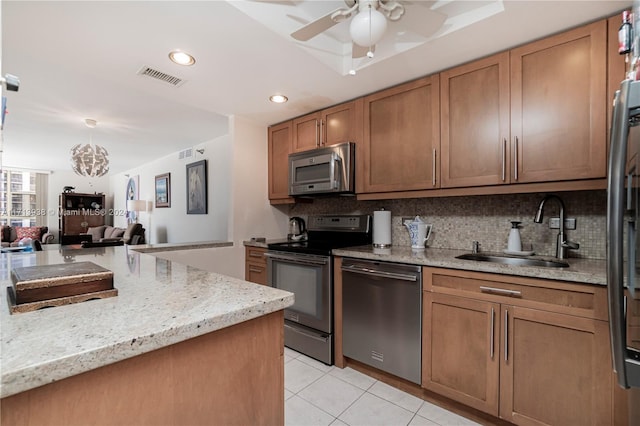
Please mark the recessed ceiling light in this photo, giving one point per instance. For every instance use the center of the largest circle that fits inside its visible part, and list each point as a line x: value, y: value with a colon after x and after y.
x: 181, y: 58
x: 278, y: 99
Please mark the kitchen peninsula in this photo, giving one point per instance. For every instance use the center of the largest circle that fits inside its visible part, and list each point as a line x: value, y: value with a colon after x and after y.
x: 177, y: 345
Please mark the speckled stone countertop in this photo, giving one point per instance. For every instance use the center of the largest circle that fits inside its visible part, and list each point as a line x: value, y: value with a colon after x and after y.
x: 159, y: 303
x: 153, y: 248
x: 585, y: 271
x: 263, y: 244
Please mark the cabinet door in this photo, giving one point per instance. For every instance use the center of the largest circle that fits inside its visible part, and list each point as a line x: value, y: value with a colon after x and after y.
x: 256, y: 273
x: 342, y: 123
x: 279, y: 149
x: 475, y: 123
x: 558, y: 96
x: 556, y: 369
x: 460, y: 358
x: 306, y: 132
x: 401, y: 138
x: 255, y: 269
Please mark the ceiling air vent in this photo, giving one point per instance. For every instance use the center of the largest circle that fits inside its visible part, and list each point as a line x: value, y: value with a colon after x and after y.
x: 185, y: 153
x: 159, y: 75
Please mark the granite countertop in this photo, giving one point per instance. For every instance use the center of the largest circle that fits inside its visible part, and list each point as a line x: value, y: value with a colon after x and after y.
x: 154, y: 248
x: 584, y: 271
x: 263, y: 244
x: 159, y: 303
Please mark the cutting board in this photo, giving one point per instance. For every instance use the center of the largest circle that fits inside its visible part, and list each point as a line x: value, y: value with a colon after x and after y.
x: 39, y: 286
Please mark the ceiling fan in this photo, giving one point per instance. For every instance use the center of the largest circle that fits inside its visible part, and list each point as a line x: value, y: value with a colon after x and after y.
x: 368, y: 24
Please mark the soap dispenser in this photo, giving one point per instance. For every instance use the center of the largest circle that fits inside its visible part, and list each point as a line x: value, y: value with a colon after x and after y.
x: 515, y: 244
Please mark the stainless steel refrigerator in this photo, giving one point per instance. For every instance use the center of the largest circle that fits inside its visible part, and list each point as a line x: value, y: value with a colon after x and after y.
x: 623, y: 242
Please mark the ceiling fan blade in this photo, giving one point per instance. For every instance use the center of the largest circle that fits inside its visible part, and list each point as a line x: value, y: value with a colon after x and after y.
x: 422, y: 21
x: 314, y: 28
x: 358, y: 51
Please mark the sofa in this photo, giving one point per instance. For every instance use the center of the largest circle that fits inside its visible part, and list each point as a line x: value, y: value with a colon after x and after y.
x: 11, y: 235
x: 109, y: 235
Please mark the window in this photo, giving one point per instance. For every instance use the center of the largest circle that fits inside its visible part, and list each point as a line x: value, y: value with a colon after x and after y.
x: 22, y: 198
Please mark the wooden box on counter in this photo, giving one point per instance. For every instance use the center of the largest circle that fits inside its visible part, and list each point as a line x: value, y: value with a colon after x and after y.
x: 36, y: 287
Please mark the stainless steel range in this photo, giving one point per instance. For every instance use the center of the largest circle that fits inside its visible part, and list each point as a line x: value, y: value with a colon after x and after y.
x: 305, y: 268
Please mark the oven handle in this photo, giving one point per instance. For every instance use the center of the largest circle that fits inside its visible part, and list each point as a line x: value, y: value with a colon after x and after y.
x: 377, y: 273
x: 297, y: 259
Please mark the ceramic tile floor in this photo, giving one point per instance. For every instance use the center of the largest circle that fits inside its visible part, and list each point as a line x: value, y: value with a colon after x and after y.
x: 317, y: 394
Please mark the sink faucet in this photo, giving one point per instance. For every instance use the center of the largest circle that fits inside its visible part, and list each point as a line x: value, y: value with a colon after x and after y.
x: 561, y: 243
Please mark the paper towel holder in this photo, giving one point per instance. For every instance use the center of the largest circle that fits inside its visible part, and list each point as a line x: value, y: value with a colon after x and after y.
x: 387, y: 235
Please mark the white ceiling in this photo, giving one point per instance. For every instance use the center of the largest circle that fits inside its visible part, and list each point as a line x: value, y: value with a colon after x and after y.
x: 79, y: 59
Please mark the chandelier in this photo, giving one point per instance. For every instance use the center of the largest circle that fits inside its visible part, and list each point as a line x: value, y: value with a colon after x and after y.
x: 89, y: 160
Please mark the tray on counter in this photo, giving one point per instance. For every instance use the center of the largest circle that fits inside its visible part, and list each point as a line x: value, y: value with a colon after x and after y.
x: 36, y: 287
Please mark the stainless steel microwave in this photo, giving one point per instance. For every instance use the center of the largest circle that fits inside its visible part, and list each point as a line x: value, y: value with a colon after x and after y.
x: 328, y: 170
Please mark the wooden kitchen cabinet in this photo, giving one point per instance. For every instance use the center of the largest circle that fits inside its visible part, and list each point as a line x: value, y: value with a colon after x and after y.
x: 558, y: 106
x: 340, y: 123
x: 555, y: 369
x: 280, y: 145
x: 460, y: 357
x: 534, y: 114
x: 401, y: 141
x: 474, y: 101
x: 532, y: 352
x: 255, y: 267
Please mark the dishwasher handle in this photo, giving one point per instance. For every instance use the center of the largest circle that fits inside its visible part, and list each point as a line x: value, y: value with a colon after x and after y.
x: 378, y: 273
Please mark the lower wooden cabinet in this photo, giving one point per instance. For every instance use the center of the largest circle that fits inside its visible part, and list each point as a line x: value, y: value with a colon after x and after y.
x: 255, y: 265
x: 514, y: 355
x: 460, y: 350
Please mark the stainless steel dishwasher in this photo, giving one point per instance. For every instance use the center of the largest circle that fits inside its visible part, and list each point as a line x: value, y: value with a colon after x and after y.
x: 382, y: 321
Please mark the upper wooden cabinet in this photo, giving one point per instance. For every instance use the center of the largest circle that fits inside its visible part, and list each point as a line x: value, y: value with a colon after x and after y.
x: 534, y: 114
x: 340, y: 123
x: 278, y: 152
x: 534, y: 117
x: 401, y: 138
x: 474, y: 100
x: 558, y: 97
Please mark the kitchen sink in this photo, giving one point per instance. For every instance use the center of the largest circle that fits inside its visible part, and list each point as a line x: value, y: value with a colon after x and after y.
x: 509, y: 260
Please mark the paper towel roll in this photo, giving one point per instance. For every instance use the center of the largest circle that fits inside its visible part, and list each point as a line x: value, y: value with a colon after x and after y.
x: 382, y: 228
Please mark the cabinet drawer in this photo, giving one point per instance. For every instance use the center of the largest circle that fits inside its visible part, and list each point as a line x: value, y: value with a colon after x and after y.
x: 555, y: 296
x: 256, y: 255
x: 256, y: 273
x: 255, y: 265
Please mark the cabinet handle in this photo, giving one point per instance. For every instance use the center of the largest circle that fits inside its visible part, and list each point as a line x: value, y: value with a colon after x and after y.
x: 506, y: 335
x: 255, y: 254
x: 322, y: 136
x: 515, y: 158
x: 492, y: 338
x: 255, y: 270
x: 433, y: 169
x: 504, y: 159
x: 317, y: 131
x: 501, y: 291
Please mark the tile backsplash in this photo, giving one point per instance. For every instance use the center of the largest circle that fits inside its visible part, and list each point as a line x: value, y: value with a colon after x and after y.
x: 457, y: 221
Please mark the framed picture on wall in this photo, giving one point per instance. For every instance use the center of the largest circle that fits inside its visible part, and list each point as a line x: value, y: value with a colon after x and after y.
x: 163, y: 190
x: 197, y: 187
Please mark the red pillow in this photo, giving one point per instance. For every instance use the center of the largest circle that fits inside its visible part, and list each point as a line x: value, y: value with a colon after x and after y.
x: 32, y: 232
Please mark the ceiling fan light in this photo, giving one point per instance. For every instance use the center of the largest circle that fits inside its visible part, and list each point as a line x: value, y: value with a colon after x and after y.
x: 368, y: 27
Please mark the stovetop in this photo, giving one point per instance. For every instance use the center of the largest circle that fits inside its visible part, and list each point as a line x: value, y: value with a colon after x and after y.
x: 329, y: 232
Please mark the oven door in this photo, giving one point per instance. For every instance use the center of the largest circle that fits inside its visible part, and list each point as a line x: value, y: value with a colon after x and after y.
x: 308, y: 277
